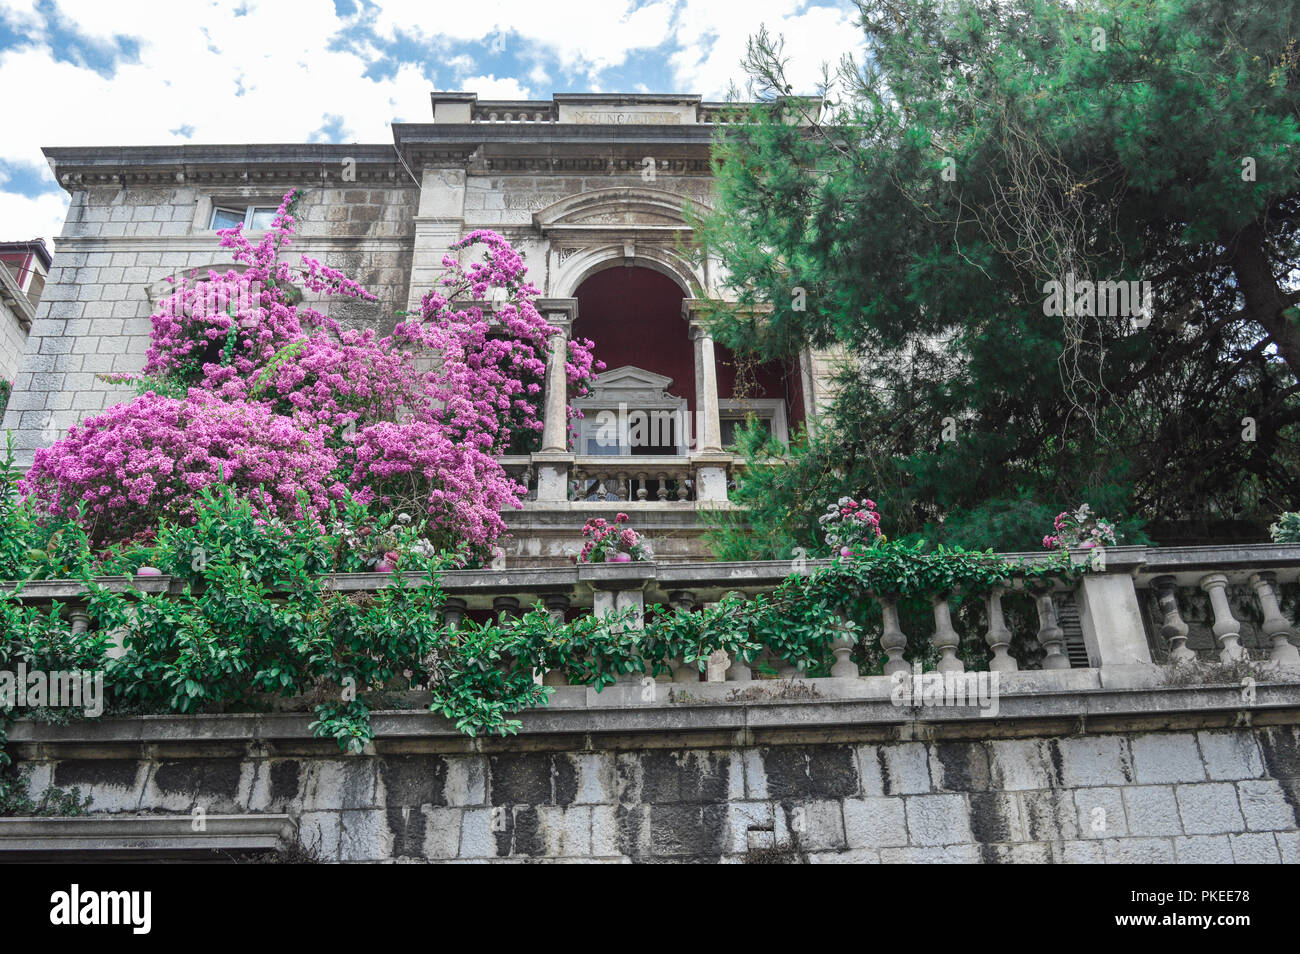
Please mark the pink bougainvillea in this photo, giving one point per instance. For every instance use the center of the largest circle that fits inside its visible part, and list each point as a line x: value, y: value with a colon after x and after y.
x: 246, y: 384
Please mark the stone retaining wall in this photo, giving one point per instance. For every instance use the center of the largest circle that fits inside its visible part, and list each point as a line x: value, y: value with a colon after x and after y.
x: 996, y: 791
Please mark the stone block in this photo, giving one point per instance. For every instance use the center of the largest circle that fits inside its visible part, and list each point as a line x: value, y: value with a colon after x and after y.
x: 1266, y: 807
x: 937, y: 820
x: 1209, y: 809
x: 1254, y: 849
x: 1203, y: 850
x: 879, y: 822
x: 1101, y: 812
x: 1152, y: 810
x: 1164, y: 757
x: 898, y: 769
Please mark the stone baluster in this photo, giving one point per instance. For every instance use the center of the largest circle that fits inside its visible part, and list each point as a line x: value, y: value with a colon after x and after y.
x: 633, y: 600
x: 842, y: 646
x: 1226, y: 628
x: 80, y: 621
x: 557, y: 604
x: 945, y: 638
x: 1050, y: 634
x: 662, y: 492
x: 1276, y: 627
x: 998, y: 636
x: 643, y: 490
x: 453, y: 612
x: 1173, y: 628
x: 683, y: 671
x: 506, y: 607
x: 892, y: 638
x: 739, y: 669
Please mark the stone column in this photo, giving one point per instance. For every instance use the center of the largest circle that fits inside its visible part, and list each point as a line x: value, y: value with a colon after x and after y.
x: 1276, y: 627
x: 710, y: 462
x: 554, y: 460
x: 1226, y: 628
x: 1173, y: 628
x: 706, y: 397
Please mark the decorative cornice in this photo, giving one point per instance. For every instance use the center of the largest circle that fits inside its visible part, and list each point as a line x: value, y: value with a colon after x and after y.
x: 337, y: 165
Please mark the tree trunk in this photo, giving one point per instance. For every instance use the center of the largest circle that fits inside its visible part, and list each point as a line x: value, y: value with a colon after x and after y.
x: 1265, y: 301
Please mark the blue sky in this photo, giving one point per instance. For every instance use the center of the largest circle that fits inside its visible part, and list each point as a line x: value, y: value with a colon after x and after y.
x: 92, y: 72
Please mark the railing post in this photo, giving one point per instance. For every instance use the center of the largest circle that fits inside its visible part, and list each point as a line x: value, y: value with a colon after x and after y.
x: 945, y: 638
x: 1275, y: 625
x: 1174, y: 628
x: 1109, y: 613
x: 892, y: 638
x: 1226, y: 628
x: 998, y: 636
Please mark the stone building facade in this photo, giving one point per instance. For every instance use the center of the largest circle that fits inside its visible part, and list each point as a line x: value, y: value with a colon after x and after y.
x: 592, y: 189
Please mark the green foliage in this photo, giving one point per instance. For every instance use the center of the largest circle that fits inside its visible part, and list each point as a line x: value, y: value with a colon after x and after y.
x: 53, y: 802
x: 1287, y: 528
x: 980, y: 150
x: 6, y: 389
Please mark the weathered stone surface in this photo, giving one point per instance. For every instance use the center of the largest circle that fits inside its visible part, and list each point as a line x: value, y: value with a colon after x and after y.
x: 1082, y: 799
x: 1209, y: 809
x: 1230, y: 756
x: 938, y: 820
x: 1171, y: 757
x: 1152, y: 810
x: 1266, y: 805
x: 875, y: 822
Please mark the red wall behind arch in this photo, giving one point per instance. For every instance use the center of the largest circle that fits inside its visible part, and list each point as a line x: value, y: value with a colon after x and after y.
x: 634, y: 315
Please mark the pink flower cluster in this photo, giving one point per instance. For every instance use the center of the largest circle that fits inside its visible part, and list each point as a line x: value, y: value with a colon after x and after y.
x: 1080, y: 528
x: 604, y: 540
x: 279, y: 399
x: 849, y: 523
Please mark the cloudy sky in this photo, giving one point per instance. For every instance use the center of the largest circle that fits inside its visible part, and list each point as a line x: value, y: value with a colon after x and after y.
x: 93, y: 72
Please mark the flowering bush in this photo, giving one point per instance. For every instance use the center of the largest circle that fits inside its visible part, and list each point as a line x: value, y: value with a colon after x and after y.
x: 851, y: 526
x: 246, y: 385
x: 605, y: 539
x: 1287, y: 528
x: 1081, y: 528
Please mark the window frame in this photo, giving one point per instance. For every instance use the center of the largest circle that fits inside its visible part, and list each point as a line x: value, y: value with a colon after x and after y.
x: 248, y: 212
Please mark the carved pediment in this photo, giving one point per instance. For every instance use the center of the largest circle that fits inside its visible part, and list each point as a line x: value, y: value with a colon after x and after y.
x: 622, y: 206
x: 632, y: 386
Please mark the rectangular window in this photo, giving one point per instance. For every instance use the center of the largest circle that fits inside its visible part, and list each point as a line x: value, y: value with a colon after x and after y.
x: 254, y: 218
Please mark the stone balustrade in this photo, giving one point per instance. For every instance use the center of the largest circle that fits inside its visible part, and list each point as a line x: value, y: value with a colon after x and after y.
x: 1135, y: 611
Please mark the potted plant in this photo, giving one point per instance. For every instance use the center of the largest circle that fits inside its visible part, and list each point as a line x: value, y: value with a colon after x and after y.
x: 851, y: 526
x: 612, y: 542
x: 1080, y: 528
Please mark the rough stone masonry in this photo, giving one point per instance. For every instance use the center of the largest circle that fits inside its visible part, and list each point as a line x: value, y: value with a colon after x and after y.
x: 1218, y: 795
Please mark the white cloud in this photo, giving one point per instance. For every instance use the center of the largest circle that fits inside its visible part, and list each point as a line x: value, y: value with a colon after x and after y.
x: 271, y: 76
